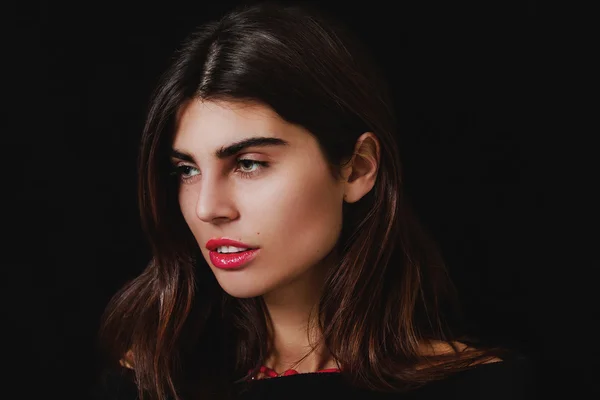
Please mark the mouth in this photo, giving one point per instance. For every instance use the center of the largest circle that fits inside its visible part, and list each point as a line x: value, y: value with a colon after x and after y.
x: 232, y: 249
x: 232, y: 260
x: 224, y: 245
x: 230, y: 254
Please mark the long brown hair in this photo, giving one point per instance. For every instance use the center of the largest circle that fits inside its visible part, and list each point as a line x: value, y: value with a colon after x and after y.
x: 184, y: 333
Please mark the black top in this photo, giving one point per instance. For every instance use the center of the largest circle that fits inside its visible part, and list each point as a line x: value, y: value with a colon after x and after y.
x: 509, y: 379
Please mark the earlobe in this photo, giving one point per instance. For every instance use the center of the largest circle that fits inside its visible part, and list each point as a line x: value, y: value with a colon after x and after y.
x: 127, y: 360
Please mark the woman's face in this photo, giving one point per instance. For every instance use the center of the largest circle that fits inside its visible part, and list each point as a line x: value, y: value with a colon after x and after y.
x: 275, y: 195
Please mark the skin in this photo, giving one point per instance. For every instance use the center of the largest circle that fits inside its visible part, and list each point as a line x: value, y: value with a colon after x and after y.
x: 290, y: 209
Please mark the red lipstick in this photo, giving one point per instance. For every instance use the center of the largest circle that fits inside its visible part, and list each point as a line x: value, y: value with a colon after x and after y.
x: 230, y: 260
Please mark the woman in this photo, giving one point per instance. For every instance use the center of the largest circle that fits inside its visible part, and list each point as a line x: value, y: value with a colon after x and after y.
x: 283, y: 244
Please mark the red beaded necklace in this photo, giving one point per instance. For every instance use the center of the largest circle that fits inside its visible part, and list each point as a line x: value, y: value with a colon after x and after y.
x: 272, y: 374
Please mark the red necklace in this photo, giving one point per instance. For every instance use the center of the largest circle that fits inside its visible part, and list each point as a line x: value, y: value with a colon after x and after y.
x: 272, y: 374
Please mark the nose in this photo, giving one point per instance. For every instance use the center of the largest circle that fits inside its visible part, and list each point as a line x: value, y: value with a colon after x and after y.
x: 215, y: 203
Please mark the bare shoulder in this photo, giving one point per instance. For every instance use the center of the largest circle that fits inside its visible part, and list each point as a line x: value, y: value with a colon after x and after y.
x: 437, y: 347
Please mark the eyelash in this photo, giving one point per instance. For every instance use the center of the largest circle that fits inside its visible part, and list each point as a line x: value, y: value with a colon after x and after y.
x: 178, y: 169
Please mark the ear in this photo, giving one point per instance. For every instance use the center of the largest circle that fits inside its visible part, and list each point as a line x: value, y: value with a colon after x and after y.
x: 360, y: 172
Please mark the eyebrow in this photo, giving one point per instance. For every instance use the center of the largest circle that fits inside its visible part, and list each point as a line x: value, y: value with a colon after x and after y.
x: 234, y: 148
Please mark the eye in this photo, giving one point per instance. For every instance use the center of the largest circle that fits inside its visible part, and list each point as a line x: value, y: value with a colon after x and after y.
x: 248, y: 167
x: 185, y: 172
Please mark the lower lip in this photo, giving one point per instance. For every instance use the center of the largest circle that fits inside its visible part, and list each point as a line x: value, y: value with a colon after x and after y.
x: 232, y: 260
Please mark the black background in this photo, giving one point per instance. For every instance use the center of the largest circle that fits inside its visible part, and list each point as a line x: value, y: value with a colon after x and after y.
x: 465, y: 77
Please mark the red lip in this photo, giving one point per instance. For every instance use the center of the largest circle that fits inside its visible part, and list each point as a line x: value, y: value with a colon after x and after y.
x: 213, y: 244
x: 230, y: 260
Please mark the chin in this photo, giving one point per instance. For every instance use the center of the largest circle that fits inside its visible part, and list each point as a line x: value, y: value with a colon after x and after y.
x: 243, y: 290
x: 243, y: 293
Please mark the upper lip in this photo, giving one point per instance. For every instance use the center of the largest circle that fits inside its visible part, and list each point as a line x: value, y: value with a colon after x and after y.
x: 213, y: 244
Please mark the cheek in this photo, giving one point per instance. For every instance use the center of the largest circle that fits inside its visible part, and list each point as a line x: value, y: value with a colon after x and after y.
x: 305, y: 215
x: 187, y: 205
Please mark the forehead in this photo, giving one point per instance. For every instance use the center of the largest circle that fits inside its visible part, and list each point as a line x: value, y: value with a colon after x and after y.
x: 207, y: 125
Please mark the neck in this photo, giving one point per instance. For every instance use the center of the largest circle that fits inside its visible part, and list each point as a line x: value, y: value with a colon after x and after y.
x: 297, y: 338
